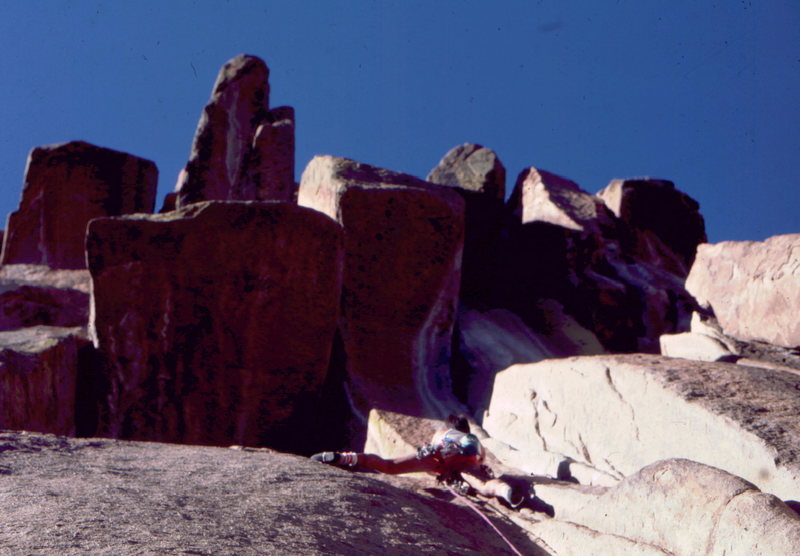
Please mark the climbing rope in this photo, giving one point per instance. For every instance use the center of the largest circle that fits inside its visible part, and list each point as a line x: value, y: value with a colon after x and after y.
x: 485, y: 518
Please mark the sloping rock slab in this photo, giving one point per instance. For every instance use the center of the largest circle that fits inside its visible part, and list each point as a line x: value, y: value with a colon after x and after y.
x: 685, y: 508
x: 70, y: 497
x: 215, y: 321
x: 620, y: 413
x: 753, y: 287
x: 403, y: 241
x: 39, y: 370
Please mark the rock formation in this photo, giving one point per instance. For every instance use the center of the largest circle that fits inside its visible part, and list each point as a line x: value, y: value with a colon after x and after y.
x: 568, y: 245
x: 39, y: 369
x: 215, y: 321
x: 660, y: 215
x: 636, y: 409
x: 67, y: 185
x: 403, y: 240
x: 242, y: 150
x: 352, y: 312
x: 753, y: 288
x: 477, y: 174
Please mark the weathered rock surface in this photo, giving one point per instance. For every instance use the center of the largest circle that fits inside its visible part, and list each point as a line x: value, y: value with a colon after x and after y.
x: 241, y: 149
x: 569, y: 246
x: 620, y: 413
x: 33, y: 295
x: 471, y: 167
x: 493, y: 340
x: 70, y: 496
x: 684, y: 508
x: 657, y: 212
x: 479, y: 177
x: 39, y: 373
x: 752, y: 287
x: 215, y: 321
x: 270, y: 163
x: 67, y: 185
x: 403, y: 240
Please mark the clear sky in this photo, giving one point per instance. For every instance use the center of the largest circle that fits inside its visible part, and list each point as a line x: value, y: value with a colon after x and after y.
x: 704, y: 93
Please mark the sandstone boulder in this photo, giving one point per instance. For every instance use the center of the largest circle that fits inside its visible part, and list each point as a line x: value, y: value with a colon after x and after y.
x: 657, y: 212
x: 241, y: 149
x: 479, y: 177
x: 66, y: 186
x: 753, y: 287
x: 684, y: 508
x: 96, y: 496
x: 39, y: 374
x: 473, y: 168
x: 215, y: 321
x: 620, y: 413
x: 567, y: 245
x: 403, y: 240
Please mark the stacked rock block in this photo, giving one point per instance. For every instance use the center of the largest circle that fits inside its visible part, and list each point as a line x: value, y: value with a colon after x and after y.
x: 403, y: 242
x: 242, y: 150
x: 215, y: 321
x: 66, y: 186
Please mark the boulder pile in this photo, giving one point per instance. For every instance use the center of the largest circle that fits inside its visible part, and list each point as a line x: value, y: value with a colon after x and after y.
x: 637, y: 380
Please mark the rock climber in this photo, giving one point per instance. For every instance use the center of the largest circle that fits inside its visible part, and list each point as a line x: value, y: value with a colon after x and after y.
x: 454, y: 455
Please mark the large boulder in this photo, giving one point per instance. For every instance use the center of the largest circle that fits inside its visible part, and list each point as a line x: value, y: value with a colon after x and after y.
x: 655, y: 212
x: 97, y: 496
x: 403, y: 240
x: 753, y: 287
x: 241, y: 149
x: 215, y: 321
x: 620, y: 413
x: 477, y: 174
x: 569, y: 246
x: 67, y: 185
x: 683, y: 508
x: 39, y: 374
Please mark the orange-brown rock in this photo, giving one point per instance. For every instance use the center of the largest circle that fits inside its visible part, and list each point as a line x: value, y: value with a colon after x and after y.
x: 39, y: 368
x: 241, y: 149
x: 403, y: 240
x: 67, y: 185
x: 215, y: 321
x: 753, y: 287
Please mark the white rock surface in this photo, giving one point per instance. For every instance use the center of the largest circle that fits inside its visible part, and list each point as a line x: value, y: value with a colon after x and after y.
x: 620, y: 413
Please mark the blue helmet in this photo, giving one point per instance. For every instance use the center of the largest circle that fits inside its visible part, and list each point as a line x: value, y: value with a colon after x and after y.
x: 469, y: 445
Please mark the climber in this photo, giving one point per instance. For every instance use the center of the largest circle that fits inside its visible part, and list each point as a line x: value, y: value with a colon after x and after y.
x: 454, y: 455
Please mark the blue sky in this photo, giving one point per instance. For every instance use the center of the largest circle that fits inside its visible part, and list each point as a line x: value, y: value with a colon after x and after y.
x: 704, y: 93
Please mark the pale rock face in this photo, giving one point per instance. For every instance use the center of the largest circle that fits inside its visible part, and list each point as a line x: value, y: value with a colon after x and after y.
x: 215, y: 321
x: 541, y: 196
x: 403, y: 241
x: 39, y: 369
x: 752, y: 287
x: 492, y: 340
x: 67, y: 185
x: 704, y: 342
x: 636, y: 409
